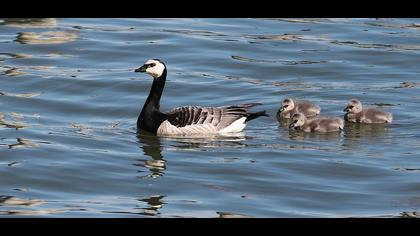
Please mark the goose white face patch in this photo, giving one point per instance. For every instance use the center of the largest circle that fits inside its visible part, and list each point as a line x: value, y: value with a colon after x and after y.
x: 155, y: 69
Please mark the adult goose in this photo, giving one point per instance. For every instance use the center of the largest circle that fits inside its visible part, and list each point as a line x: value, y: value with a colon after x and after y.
x: 189, y: 120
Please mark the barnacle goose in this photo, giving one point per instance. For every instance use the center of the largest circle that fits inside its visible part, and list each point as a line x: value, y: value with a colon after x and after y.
x: 188, y: 120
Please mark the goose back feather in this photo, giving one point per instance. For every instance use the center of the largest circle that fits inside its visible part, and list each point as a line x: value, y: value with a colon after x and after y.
x: 199, y: 120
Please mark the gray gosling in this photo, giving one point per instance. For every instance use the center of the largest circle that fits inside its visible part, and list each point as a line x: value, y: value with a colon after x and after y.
x: 356, y: 113
x: 289, y: 108
x: 319, y: 124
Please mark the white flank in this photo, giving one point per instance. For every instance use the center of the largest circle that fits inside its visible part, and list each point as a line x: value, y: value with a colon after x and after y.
x: 166, y: 128
x: 236, y: 126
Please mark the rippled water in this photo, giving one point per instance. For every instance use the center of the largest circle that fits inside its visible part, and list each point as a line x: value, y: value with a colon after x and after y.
x: 69, y: 102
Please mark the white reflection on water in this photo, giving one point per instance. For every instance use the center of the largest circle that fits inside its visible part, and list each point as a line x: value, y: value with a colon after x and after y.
x: 22, y: 142
x: 11, y: 124
x: 48, y: 37
x: 11, y: 200
x: 25, y: 23
x: 206, y: 141
x: 21, y: 95
x: 31, y: 212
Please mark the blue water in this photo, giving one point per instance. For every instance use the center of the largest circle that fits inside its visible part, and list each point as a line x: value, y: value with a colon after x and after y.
x: 69, y: 102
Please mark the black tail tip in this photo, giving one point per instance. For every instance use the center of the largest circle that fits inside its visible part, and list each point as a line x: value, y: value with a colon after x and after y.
x: 265, y: 114
x: 255, y: 115
x: 261, y: 113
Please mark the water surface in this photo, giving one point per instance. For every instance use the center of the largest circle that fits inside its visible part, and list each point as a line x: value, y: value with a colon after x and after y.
x: 69, y: 102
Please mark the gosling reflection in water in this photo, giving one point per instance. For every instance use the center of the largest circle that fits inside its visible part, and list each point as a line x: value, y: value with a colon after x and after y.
x: 284, y: 122
x: 330, y: 136
x: 357, y: 130
x: 151, y: 146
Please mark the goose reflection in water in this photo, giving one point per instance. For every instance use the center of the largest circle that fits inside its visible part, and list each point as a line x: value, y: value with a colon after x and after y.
x: 359, y: 135
x: 154, y: 204
x: 150, y: 206
x: 151, y: 146
x: 315, y: 136
x: 207, y: 142
x: 358, y: 130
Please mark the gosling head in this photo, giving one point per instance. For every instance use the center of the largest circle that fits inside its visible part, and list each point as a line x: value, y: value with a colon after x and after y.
x: 153, y: 67
x: 287, y: 105
x: 354, y: 106
x: 298, y: 119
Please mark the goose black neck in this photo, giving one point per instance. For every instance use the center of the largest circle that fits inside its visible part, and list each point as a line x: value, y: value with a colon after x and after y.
x: 150, y: 118
x: 156, y: 91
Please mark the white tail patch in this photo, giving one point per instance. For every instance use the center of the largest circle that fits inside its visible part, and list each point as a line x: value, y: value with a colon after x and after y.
x: 388, y: 117
x: 236, y: 126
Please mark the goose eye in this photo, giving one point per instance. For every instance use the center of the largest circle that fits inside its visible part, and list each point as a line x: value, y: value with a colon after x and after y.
x: 351, y: 107
x: 152, y: 65
x: 285, y: 106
